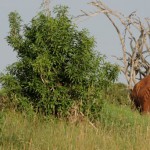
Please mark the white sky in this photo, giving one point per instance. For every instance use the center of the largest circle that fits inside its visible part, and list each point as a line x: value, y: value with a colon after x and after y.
x: 105, y: 35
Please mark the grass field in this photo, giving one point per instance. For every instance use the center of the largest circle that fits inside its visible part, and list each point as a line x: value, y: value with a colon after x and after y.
x: 118, y: 129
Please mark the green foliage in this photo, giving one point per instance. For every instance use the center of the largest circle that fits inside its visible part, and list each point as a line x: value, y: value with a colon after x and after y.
x: 57, y: 66
x: 117, y: 94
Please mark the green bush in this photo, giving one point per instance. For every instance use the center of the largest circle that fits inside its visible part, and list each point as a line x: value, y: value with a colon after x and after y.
x: 57, y: 66
x: 118, y: 94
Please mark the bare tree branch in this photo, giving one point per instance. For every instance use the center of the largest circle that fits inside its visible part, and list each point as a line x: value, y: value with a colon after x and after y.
x: 46, y: 5
x: 135, y: 60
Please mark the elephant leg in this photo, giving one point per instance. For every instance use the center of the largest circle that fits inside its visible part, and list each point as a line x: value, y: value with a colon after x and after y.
x: 146, y: 107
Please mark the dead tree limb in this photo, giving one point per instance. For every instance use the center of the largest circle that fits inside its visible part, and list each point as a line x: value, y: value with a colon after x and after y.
x: 46, y: 5
x: 135, y: 58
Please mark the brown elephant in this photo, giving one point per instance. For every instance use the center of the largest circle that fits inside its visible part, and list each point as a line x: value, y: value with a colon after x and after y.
x: 140, y: 95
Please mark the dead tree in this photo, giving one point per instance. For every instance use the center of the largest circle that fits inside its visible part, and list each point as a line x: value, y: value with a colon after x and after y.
x: 135, y: 41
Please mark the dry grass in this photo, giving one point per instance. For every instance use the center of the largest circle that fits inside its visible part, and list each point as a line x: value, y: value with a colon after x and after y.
x: 36, y: 133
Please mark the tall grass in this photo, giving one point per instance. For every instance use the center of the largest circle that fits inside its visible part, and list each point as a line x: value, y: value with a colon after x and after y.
x: 117, y: 129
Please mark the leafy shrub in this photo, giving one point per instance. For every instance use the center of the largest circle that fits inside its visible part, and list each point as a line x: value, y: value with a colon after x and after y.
x: 118, y: 94
x: 57, y: 66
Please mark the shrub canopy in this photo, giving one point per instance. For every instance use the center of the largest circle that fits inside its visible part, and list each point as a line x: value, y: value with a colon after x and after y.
x: 57, y: 66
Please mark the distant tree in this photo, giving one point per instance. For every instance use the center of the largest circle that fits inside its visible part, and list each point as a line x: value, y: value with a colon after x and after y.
x: 57, y: 66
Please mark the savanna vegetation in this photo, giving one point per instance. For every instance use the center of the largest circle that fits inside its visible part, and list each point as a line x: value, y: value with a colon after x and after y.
x: 118, y: 128
x: 62, y: 94
x: 57, y: 69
